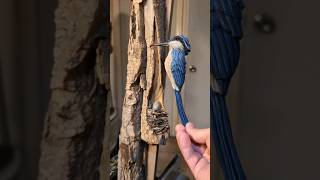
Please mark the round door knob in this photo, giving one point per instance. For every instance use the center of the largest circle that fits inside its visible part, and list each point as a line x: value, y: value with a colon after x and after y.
x: 192, y: 68
x: 264, y: 23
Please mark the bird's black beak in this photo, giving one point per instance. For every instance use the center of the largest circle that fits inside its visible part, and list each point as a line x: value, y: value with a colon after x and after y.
x: 160, y: 44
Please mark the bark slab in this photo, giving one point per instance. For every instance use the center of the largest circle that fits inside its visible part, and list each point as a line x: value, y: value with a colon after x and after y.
x: 74, y: 129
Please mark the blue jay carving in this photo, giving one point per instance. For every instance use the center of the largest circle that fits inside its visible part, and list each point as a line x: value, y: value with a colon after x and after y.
x: 226, y: 32
x: 175, y: 66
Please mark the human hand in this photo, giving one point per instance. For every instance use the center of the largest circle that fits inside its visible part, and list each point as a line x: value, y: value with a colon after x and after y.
x: 194, y: 145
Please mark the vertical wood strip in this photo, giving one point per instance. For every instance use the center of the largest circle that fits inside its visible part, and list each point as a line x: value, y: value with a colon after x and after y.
x: 131, y: 148
x: 152, y: 161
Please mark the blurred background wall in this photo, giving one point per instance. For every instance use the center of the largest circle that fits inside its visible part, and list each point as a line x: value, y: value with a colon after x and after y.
x: 278, y: 131
x: 26, y: 35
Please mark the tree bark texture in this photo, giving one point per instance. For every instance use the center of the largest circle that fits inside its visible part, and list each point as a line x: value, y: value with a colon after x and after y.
x: 144, y: 86
x: 77, y: 117
x: 130, y: 163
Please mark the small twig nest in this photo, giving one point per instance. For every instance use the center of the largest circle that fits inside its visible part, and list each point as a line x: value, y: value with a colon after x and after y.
x: 158, y: 120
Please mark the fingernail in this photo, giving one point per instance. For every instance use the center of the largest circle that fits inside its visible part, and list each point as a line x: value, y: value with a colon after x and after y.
x: 189, y: 125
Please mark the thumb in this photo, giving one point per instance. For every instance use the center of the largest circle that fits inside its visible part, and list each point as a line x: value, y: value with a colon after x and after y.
x: 200, y: 136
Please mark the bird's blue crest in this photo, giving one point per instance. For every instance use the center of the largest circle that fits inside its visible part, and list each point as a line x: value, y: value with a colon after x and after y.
x: 184, y: 41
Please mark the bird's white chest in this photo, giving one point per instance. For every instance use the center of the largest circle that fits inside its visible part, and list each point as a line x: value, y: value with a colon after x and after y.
x: 168, y: 62
x: 167, y: 65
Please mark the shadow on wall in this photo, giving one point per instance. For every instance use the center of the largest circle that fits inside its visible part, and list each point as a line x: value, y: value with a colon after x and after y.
x: 26, y: 57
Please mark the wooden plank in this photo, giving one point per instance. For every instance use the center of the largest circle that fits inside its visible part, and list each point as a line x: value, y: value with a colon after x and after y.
x: 157, y: 30
x: 131, y: 148
x: 152, y: 161
x: 170, y: 5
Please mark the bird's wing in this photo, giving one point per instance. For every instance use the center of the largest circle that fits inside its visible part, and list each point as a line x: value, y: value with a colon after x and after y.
x: 226, y: 32
x: 178, y: 67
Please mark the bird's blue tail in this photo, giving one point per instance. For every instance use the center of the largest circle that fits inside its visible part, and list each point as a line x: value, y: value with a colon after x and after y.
x: 182, y: 114
x: 222, y: 133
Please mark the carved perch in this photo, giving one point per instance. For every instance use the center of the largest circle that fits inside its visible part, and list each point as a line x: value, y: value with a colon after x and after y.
x: 145, y: 85
x: 155, y: 31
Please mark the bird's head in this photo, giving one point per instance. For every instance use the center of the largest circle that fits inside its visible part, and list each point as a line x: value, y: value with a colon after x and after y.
x: 177, y: 42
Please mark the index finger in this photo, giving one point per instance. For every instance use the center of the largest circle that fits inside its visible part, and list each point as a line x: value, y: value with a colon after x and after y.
x: 191, y: 157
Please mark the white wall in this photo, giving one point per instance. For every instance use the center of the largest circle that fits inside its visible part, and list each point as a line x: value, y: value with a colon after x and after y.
x: 197, y: 96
